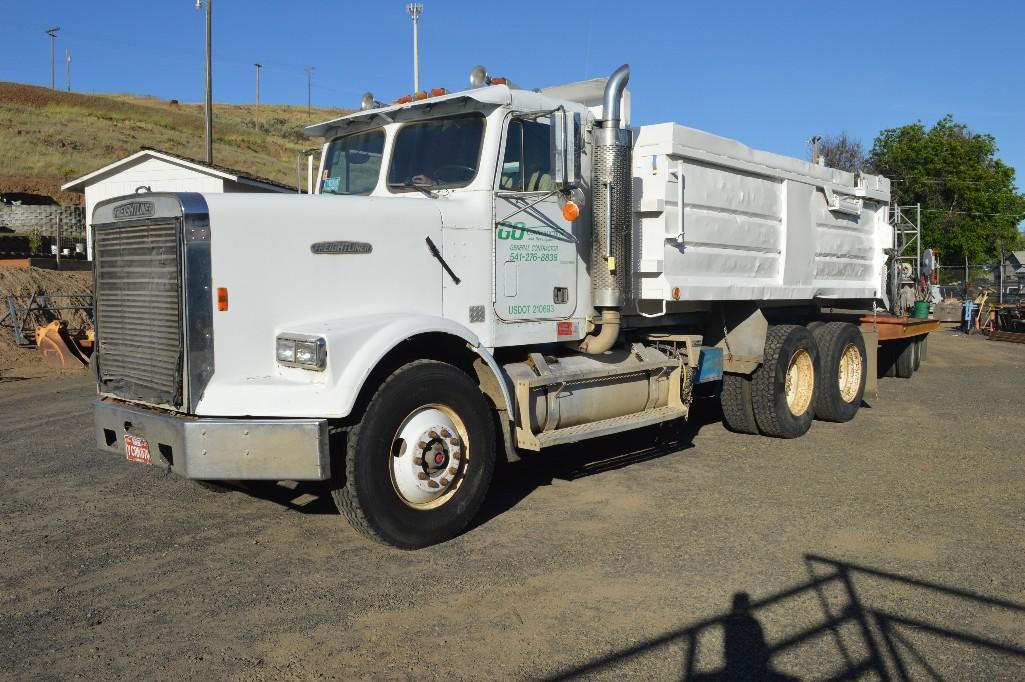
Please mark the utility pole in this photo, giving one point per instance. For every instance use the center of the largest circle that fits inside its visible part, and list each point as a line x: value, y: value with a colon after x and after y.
x: 208, y: 108
x: 1000, y: 264
x: 258, y: 67
x: 309, y: 92
x: 52, y: 32
x: 415, y: 9
x: 67, y: 75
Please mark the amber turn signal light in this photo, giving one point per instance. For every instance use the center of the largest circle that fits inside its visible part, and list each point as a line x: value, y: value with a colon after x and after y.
x: 570, y: 211
x: 222, y: 298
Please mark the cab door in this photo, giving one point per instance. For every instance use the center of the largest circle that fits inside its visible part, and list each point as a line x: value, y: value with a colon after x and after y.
x: 535, y: 246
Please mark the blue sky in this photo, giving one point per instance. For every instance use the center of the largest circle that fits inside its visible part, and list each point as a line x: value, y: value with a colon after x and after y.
x: 768, y: 73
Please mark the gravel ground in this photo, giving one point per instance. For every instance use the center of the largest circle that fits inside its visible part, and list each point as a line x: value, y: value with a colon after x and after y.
x: 887, y: 547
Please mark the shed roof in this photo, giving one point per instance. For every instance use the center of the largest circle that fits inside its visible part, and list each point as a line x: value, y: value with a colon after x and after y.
x: 215, y: 170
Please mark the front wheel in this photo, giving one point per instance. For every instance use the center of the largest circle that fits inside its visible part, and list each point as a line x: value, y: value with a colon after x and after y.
x: 419, y: 463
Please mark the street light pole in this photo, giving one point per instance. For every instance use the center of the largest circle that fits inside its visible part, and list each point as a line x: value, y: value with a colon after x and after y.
x: 415, y: 9
x: 208, y: 104
x: 67, y: 76
x: 52, y: 32
x: 258, y: 67
x: 309, y: 92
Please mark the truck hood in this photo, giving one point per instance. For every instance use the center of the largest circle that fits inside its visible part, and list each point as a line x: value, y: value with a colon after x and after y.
x: 291, y: 261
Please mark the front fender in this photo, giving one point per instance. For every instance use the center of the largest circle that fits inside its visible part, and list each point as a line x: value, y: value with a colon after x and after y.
x: 360, y: 344
x: 355, y: 346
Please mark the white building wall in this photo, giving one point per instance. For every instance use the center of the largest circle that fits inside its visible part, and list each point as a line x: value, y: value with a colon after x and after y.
x: 157, y: 174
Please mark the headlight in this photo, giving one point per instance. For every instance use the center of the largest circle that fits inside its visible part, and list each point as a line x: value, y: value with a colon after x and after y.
x: 300, y: 350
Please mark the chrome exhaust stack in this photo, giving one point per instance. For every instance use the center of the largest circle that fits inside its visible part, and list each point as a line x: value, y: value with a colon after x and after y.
x: 611, y: 188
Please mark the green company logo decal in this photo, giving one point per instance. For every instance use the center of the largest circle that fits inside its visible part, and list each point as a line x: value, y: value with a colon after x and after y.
x: 514, y: 231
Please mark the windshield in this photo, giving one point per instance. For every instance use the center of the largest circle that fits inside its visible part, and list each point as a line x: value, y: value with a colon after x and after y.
x: 441, y: 152
x: 353, y: 163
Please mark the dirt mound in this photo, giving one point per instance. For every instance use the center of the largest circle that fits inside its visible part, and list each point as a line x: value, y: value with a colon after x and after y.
x: 22, y: 283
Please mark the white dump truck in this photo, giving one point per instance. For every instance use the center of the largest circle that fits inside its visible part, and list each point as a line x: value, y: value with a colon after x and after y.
x: 483, y: 273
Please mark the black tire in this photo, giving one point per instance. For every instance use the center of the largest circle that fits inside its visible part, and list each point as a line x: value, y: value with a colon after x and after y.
x: 737, y: 406
x: 887, y: 359
x: 904, y: 367
x: 368, y: 497
x: 783, y: 344
x: 834, y: 339
x: 917, y: 343
x: 923, y: 350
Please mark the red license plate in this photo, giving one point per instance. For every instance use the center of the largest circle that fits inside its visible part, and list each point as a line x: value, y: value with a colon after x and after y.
x: 137, y: 449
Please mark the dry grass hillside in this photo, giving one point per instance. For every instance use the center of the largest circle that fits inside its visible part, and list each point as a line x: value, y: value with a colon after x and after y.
x: 48, y: 137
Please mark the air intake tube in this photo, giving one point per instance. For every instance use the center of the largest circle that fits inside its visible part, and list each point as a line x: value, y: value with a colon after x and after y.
x: 611, y: 219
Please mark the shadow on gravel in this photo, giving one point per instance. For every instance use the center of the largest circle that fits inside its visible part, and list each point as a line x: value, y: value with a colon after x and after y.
x: 514, y: 482
x: 303, y: 497
x: 845, y: 622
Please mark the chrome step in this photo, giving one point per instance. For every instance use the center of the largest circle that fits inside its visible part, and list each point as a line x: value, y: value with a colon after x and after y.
x: 605, y: 427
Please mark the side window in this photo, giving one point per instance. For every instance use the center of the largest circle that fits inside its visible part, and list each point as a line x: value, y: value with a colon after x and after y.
x: 512, y: 178
x: 526, y: 166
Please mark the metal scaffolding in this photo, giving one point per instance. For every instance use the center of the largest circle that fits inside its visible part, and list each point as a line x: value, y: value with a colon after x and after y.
x: 906, y: 266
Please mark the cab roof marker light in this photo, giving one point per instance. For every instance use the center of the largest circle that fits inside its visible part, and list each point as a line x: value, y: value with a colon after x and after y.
x: 368, y: 102
x: 479, y: 77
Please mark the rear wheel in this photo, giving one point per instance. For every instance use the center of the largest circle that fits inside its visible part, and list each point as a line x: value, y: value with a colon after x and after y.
x: 904, y: 367
x: 842, y: 371
x: 783, y: 387
x: 917, y: 343
x: 419, y: 463
x: 737, y: 406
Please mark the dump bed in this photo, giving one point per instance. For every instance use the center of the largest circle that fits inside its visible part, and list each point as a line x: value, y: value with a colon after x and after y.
x: 754, y: 225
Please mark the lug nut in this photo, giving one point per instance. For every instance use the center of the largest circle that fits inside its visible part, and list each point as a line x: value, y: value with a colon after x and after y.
x: 453, y: 441
x: 422, y: 445
x: 432, y: 434
x: 456, y: 455
x: 432, y: 484
x: 444, y: 481
x: 452, y: 471
x: 417, y: 461
x: 445, y: 433
x: 422, y: 476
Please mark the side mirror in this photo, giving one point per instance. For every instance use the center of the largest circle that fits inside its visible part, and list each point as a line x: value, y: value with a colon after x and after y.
x: 565, y: 146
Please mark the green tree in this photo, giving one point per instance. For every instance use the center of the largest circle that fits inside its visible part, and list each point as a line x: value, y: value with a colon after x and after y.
x: 968, y: 196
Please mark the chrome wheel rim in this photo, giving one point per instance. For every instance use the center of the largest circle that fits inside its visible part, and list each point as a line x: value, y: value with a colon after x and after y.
x: 849, y: 373
x: 800, y: 382
x: 429, y: 456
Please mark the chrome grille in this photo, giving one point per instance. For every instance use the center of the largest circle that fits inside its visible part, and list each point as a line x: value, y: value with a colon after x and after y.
x: 138, y: 311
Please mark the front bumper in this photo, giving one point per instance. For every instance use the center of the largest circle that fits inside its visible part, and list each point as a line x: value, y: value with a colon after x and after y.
x: 217, y: 448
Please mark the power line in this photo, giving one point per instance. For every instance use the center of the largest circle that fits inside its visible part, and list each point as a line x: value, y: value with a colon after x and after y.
x: 946, y: 179
x: 1020, y: 216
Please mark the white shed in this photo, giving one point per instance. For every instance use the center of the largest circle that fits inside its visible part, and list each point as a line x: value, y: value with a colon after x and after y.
x: 160, y: 171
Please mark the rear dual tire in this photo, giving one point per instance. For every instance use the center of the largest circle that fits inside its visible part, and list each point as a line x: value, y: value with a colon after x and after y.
x: 843, y: 371
x: 904, y: 366
x: 818, y: 371
x: 737, y: 404
x: 783, y: 388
